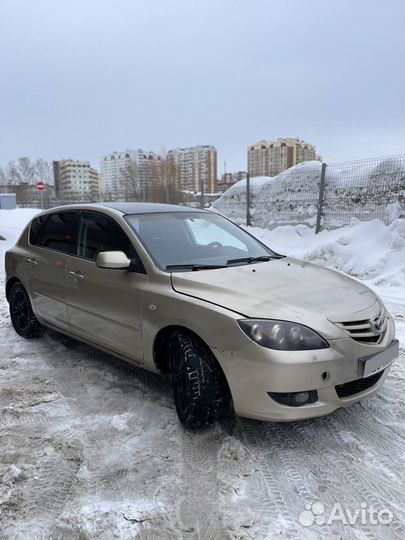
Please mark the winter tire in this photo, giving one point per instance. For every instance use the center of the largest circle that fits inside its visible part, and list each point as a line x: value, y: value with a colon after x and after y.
x: 23, y: 318
x: 200, y: 390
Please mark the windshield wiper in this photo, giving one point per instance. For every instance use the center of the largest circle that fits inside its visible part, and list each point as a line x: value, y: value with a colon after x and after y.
x: 249, y: 260
x: 194, y: 266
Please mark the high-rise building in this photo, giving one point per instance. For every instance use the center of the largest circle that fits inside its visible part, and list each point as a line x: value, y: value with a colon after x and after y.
x: 268, y: 158
x: 196, y: 168
x: 129, y: 173
x: 114, y: 169
x: 75, y: 179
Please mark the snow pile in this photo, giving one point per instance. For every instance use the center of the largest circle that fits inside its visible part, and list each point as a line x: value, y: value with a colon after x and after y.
x: 366, y: 190
x: 369, y: 251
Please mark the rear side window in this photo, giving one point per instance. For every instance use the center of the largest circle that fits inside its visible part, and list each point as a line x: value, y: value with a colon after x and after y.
x: 57, y: 232
x: 35, y: 229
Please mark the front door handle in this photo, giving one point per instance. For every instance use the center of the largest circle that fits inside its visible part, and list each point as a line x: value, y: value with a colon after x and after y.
x: 76, y: 275
x: 32, y: 262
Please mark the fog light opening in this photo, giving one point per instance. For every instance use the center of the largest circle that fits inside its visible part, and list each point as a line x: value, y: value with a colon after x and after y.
x: 301, y: 398
x: 295, y: 399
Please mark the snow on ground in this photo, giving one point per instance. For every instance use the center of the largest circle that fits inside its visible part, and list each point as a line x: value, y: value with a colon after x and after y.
x: 92, y: 449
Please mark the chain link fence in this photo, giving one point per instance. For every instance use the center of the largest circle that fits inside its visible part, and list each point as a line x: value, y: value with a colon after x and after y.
x: 320, y: 195
x: 362, y: 189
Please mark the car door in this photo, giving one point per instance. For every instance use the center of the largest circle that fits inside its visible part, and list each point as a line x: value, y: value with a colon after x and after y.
x: 51, y: 239
x: 104, y: 305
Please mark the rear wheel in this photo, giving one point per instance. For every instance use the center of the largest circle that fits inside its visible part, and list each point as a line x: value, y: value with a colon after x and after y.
x: 22, y: 317
x: 200, y: 390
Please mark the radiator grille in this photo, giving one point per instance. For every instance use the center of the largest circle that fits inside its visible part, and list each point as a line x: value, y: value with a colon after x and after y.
x: 366, y: 330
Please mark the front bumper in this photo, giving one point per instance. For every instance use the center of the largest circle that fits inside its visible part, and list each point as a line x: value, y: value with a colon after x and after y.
x: 254, y: 371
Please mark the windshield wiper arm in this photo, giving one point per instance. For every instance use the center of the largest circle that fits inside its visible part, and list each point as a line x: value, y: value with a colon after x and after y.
x: 194, y: 266
x: 249, y: 260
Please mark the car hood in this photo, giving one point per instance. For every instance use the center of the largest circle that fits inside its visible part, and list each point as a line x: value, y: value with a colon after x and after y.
x: 285, y: 289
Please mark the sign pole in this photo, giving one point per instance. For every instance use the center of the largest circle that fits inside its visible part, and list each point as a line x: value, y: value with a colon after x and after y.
x: 41, y: 187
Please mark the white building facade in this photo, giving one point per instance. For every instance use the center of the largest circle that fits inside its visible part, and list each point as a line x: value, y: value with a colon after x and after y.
x: 75, y: 180
x: 114, y: 169
x: 129, y: 173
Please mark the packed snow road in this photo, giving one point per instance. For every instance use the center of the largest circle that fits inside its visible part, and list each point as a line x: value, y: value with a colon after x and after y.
x: 91, y: 448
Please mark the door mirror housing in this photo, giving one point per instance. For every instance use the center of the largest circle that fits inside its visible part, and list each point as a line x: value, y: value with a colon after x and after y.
x: 115, y: 260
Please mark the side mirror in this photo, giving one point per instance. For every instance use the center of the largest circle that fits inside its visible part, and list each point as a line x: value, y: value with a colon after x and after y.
x: 116, y: 260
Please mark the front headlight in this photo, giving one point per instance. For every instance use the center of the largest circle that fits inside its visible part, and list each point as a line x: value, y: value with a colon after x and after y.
x: 282, y: 335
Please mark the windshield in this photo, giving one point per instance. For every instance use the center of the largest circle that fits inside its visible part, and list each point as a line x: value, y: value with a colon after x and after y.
x: 185, y: 241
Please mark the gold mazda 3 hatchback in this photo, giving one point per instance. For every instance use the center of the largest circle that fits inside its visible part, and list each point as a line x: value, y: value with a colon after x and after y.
x: 187, y: 293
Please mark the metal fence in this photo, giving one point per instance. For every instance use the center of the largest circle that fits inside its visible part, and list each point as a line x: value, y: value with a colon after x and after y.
x: 324, y: 196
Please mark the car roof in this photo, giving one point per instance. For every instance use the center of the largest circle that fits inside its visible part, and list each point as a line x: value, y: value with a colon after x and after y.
x: 128, y: 207
x: 146, y: 208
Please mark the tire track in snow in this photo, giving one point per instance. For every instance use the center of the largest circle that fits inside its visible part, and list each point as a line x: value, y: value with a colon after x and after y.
x: 363, y: 488
x: 102, y: 474
x: 275, y: 504
x: 198, y: 508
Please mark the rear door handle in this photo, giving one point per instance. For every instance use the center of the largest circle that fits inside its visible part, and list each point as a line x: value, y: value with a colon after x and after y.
x: 32, y: 262
x: 76, y: 275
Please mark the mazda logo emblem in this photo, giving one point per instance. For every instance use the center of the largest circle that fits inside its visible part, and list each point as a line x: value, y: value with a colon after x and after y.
x: 378, y: 323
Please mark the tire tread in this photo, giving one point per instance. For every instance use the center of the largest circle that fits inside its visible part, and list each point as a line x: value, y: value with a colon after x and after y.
x: 209, y: 392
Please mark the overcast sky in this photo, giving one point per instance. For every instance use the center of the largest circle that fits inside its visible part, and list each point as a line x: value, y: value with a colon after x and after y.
x: 81, y: 78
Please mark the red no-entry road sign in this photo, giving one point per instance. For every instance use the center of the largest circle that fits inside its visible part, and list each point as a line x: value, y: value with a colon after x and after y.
x: 41, y: 186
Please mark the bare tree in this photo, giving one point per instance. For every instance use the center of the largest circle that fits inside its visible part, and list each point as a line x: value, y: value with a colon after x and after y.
x: 156, y: 181
x: 26, y: 170
x: 21, y: 176
x: 12, y: 174
x: 3, y: 177
x: 43, y: 171
x: 171, y: 175
x: 130, y: 177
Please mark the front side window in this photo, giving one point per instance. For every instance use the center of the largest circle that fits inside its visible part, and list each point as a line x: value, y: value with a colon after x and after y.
x: 195, y: 238
x: 57, y: 232
x: 100, y: 233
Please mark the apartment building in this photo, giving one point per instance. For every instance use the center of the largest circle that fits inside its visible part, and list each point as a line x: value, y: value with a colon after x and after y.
x: 268, y: 158
x: 75, y: 180
x: 114, y: 169
x: 195, y: 168
x: 129, y: 173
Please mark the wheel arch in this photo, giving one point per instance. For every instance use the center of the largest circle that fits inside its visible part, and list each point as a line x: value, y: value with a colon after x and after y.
x: 161, y: 356
x: 161, y: 343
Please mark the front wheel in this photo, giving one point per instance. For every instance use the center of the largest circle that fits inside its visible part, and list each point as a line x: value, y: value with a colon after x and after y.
x: 200, y: 390
x: 22, y: 317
